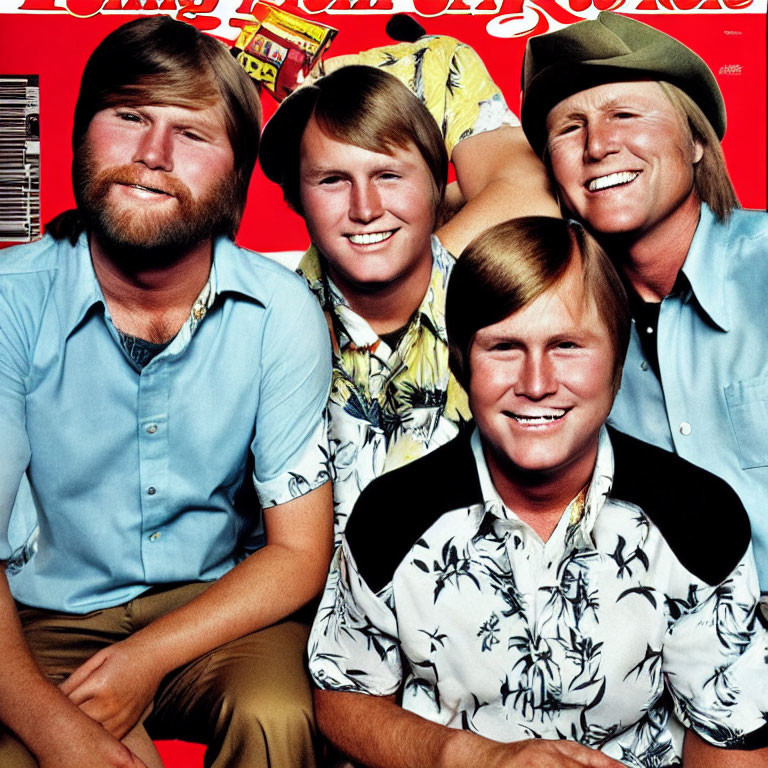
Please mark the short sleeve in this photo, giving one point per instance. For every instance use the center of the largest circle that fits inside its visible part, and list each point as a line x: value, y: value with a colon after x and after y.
x: 290, y: 446
x: 353, y: 645
x: 14, y: 443
x: 716, y: 662
x: 473, y: 102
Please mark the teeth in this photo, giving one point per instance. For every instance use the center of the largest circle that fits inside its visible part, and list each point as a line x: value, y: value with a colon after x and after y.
x: 542, y: 419
x: 148, y: 189
x: 612, y: 180
x: 373, y: 237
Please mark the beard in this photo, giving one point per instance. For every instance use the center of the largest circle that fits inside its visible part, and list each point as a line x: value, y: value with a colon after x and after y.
x: 146, y: 235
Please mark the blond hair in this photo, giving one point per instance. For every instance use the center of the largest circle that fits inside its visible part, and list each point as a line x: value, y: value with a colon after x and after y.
x: 710, y: 174
x: 510, y: 265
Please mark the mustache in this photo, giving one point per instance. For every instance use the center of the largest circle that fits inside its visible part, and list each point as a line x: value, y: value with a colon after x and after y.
x: 131, y: 175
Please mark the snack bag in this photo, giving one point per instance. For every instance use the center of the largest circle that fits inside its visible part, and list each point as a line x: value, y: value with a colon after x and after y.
x: 279, y: 49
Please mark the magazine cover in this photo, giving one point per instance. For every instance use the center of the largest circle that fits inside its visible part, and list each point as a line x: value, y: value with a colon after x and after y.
x: 48, y: 42
x: 44, y: 45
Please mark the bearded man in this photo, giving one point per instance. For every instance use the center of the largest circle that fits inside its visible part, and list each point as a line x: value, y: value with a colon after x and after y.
x: 147, y: 367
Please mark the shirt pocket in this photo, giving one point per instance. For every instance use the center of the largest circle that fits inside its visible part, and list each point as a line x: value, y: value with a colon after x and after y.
x: 747, y: 403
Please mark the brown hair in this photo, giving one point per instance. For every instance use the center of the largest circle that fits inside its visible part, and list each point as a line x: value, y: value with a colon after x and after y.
x: 358, y: 105
x: 510, y: 265
x: 156, y: 60
x: 710, y: 174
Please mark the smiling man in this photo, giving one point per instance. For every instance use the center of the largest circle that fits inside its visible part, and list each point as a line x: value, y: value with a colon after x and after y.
x: 532, y: 600
x: 630, y: 122
x: 146, y: 363
x: 368, y: 174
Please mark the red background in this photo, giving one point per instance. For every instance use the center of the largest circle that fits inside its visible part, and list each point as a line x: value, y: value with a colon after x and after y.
x: 56, y: 47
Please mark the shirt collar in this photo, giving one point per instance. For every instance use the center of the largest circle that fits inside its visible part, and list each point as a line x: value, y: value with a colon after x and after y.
x: 356, y: 329
x: 705, y: 267
x: 81, y: 289
x: 582, y: 512
x: 233, y: 271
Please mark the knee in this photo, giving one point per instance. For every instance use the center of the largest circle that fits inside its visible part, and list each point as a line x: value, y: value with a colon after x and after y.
x: 265, y: 728
x: 269, y: 711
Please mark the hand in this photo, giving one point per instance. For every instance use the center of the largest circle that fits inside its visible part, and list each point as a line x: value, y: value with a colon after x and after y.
x: 83, y: 743
x: 114, y: 686
x: 545, y: 753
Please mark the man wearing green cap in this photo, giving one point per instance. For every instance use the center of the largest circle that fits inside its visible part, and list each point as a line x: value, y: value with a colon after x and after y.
x: 629, y: 121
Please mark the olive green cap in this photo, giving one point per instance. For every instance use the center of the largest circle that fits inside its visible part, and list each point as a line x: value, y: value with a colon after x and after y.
x: 610, y: 49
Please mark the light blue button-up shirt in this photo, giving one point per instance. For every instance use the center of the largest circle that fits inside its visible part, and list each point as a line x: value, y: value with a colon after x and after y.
x: 711, y: 406
x: 132, y: 474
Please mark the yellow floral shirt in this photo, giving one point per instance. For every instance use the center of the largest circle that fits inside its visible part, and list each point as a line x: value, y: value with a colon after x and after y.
x: 449, y: 78
x: 387, y: 406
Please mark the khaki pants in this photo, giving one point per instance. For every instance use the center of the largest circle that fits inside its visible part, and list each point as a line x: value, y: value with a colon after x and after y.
x: 248, y: 700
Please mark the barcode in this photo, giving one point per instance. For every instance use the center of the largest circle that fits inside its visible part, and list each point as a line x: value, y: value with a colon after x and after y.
x: 19, y: 158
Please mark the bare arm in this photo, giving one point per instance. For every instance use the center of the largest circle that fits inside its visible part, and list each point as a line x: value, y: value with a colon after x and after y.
x: 697, y: 753
x: 116, y: 684
x: 53, y: 728
x: 376, y: 732
x: 501, y: 178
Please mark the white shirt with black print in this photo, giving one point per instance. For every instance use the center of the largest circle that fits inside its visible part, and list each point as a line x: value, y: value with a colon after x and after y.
x: 638, y: 612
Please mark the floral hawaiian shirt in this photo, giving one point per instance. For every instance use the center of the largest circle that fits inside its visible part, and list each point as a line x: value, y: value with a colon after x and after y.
x: 448, y: 77
x: 624, y: 624
x: 387, y: 406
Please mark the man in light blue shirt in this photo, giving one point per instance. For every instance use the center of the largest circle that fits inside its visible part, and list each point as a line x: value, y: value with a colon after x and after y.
x: 147, y: 367
x: 631, y: 121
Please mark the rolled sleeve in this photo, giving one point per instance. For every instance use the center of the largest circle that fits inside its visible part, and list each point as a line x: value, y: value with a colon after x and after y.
x: 354, y: 645
x: 715, y: 660
x: 290, y: 446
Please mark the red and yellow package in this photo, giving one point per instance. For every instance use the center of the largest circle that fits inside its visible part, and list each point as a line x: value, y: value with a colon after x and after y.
x: 279, y: 49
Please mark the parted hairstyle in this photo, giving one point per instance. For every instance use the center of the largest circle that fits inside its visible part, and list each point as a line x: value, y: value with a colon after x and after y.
x: 159, y: 61
x: 511, y: 264
x: 357, y: 105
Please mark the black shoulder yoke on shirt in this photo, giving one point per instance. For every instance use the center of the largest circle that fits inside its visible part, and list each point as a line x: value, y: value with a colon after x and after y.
x: 397, y: 507
x: 699, y: 515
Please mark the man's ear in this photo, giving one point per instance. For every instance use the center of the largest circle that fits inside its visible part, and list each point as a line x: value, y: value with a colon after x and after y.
x: 698, y: 151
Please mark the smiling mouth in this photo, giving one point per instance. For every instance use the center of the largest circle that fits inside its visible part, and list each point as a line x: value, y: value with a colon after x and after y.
x: 369, y: 238
x: 153, y: 190
x: 612, y: 180
x: 535, y: 418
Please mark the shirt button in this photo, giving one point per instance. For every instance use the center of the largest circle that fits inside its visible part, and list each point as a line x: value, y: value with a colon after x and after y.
x: 155, y: 536
x: 152, y: 428
x: 151, y: 490
x: 644, y: 365
x: 685, y: 428
x: 649, y: 329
